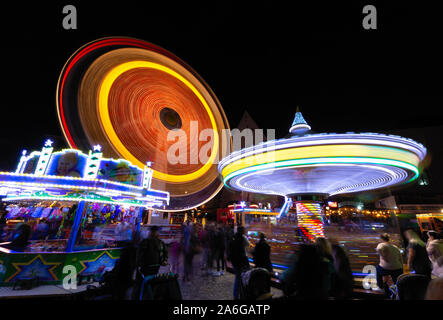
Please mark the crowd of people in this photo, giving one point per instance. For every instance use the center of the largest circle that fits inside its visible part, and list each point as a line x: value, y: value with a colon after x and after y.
x: 210, y: 240
x: 320, y: 270
x: 424, y: 267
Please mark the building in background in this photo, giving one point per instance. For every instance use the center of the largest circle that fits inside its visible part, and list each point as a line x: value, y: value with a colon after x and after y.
x: 227, y: 196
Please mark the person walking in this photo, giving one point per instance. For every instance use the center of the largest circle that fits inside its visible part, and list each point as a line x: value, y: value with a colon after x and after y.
x: 229, y: 234
x: 418, y: 260
x: 204, y: 242
x: 191, y: 248
x: 176, y: 248
x: 391, y: 263
x: 152, y: 253
x: 237, y: 255
x: 220, y: 250
x: 262, y: 254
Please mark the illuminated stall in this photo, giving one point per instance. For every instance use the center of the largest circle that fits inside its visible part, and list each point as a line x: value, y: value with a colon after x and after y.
x: 307, y: 168
x: 430, y: 221
x: 79, y: 208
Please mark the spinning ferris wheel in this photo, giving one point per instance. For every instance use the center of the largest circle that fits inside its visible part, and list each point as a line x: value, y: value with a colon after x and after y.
x: 127, y: 95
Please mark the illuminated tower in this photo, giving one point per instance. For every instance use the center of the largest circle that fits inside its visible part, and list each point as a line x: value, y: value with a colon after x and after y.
x: 93, y: 162
x: 43, y: 160
x: 309, y: 219
x: 299, y: 125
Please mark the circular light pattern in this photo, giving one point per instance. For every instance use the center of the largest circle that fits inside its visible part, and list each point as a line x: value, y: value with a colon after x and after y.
x: 170, y: 119
x: 132, y: 98
x: 108, y: 124
x: 326, y: 164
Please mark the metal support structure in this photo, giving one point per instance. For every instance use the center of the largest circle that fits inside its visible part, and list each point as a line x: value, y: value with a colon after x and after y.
x: 75, y: 226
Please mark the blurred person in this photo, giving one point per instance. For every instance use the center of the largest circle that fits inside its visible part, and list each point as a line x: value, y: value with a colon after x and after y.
x: 185, y: 228
x: 437, y: 270
x: 309, y: 276
x: 123, y: 231
x: 220, y: 250
x: 324, y: 247
x: 186, y: 232
x: 325, y: 250
x: 144, y: 233
x: 262, y: 254
x: 152, y: 253
x: 435, y: 290
x: 53, y: 229
x: 122, y: 276
x: 98, y: 229
x: 204, y: 242
x: 418, y: 260
x: 2, y: 224
x: 256, y: 284
x: 391, y: 262
x: 432, y: 235
x: 286, y: 278
x: 2, y: 268
x: 229, y: 234
x: 20, y: 238
x: 434, y: 248
x: 212, y: 247
x: 41, y: 230
x: 3, y: 217
x: 237, y: 255
x: 411, y: 286
x: 176, y: 249
x: 343, y: 279
x: 191, y: 248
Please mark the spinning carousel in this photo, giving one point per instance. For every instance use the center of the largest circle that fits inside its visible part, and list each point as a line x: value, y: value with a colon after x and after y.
x: 308, y: 167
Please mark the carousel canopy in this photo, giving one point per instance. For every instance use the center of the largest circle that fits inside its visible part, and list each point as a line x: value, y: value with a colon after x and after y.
x: 324, y: 163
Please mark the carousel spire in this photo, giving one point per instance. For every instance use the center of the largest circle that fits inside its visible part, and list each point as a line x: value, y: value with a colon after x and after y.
x: 299, y: 125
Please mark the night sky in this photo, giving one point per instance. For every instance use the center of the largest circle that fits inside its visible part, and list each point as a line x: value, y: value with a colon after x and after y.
x: 264, y: 57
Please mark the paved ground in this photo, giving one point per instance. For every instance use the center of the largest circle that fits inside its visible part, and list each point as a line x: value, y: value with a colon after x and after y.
x: 208, y: 287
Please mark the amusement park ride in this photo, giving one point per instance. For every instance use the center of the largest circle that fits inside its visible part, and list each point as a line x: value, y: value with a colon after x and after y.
x: 121, y: 98
x: 305, y: 169
x: 79, y: 207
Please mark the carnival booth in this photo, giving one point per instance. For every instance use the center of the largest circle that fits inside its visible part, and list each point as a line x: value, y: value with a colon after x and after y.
x: 70, y: 208
x: 430, y: 221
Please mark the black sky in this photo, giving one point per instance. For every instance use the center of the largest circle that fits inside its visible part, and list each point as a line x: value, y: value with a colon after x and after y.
x: 265, y: 57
